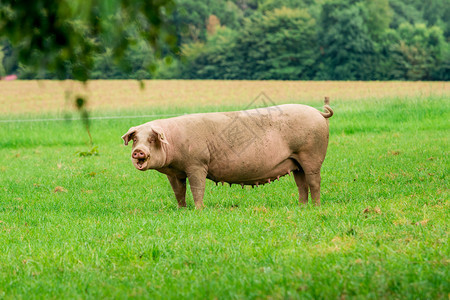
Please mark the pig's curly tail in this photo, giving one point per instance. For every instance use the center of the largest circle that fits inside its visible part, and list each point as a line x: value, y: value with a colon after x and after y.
x: 328, y: 111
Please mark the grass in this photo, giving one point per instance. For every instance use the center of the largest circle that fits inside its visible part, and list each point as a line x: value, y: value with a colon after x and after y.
x: 91, y: 226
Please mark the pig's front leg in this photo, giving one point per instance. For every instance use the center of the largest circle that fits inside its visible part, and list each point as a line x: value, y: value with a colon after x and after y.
x: 179, y: 188
x: 197, y: 179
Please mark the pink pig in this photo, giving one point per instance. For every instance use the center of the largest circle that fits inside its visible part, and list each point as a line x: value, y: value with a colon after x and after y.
x: 249, y: 147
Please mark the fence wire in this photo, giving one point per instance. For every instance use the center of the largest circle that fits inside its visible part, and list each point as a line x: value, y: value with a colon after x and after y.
x: 90, y: 118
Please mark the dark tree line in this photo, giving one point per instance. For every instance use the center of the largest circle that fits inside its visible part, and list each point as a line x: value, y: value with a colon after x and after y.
x: 251, y: 39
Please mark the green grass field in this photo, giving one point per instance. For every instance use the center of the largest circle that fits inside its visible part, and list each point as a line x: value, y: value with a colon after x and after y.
x: 76, y: 226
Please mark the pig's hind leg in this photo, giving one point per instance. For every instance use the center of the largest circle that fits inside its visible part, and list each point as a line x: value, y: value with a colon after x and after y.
x: 311, y: 164
x: 313, y: 181
x: 302, y: 185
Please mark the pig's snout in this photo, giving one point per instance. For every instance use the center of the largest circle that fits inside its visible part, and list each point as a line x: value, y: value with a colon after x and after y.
x: 140, y: 159
x: 138, y: 154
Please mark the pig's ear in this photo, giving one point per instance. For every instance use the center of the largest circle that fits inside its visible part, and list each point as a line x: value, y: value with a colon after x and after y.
x: 128, y: 136
x: 160, y: 134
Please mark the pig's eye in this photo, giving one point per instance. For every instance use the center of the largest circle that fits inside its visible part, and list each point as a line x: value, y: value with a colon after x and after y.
x: 134, y: 140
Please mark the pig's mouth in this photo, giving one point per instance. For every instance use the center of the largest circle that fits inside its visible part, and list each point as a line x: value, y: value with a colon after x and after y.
x: 141, y: 164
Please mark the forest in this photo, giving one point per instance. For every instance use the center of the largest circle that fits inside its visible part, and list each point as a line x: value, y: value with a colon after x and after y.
x: 275, y: 40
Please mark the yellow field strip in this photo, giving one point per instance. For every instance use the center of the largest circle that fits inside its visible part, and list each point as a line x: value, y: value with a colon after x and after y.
x: 29, y: 97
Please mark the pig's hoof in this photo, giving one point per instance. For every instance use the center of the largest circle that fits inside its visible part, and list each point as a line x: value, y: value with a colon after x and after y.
x: 199, y: 206
x: 303, y: 201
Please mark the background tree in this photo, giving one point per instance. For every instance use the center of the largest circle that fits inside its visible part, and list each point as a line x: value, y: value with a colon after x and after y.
x: 405, y: 12
x: 9, y: 62
x: 191, y: 18
x: 377, y: 17
x: 2, y: 69
x: 279, y: 44
x: 214, y: 59
x: 417, y: 52
x: 269, y: 5
x: 348, y: 52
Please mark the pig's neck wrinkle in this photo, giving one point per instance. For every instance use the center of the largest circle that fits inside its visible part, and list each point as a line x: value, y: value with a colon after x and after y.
x: 169, y: 154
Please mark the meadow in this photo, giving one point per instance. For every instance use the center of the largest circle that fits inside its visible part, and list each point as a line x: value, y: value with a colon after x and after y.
x: 85, y: 224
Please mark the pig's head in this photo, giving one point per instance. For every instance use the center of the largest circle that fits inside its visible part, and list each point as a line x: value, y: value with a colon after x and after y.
x: 149, y: 147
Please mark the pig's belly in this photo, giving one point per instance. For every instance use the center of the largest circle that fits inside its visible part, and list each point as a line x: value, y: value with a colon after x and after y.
x: 253, y: 160
x: 251, y: 173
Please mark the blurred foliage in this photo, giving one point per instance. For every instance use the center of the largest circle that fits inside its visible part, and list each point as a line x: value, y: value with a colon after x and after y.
x: 227, y: 39
x: 63, y: 37
x: 92, y: 152
x: 81, y: 40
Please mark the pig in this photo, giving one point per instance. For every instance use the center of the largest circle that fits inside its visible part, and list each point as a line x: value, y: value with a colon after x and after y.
x: 249, y: 147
